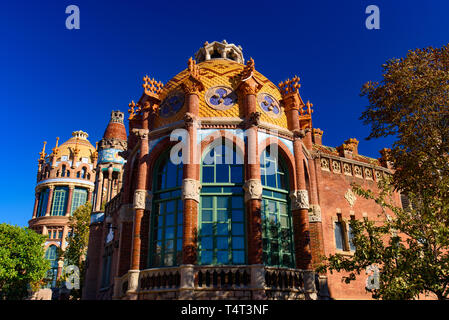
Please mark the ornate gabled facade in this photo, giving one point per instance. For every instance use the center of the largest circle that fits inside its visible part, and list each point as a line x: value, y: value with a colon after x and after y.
x: 65, y: 180
x: 227, y: 192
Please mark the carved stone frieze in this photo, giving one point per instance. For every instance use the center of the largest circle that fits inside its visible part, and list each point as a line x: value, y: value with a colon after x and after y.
x: 350, y: 197
x: 141, y: 133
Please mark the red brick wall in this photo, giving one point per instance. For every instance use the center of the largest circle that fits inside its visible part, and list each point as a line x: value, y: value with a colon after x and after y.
x: 332, y: 189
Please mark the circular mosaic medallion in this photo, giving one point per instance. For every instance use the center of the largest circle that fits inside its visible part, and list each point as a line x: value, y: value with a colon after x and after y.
x: 220, y: 97
x: 171, y: 104
x: 269, y: 104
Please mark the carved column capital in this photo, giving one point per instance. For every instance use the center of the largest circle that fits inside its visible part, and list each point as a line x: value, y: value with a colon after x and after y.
x: 300, y: 199
x: 253, y: 189
x: 191, y: 189
x: 142, y: 199
x: 141, y: 133
x: 315, y: 213
x: 190, y: 120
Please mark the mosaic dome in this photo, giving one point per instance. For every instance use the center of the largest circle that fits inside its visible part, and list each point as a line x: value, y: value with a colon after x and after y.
x: 78, y: 140
x: 219, y: 98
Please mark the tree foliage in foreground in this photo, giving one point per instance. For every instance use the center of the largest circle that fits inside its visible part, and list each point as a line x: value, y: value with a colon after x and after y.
x: 22, y: 261
x: 411, y: 247
x: 77, y: 243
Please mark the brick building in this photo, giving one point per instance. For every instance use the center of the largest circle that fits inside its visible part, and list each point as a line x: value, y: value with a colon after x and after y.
x: 65, y: 180
x: 226, y: 192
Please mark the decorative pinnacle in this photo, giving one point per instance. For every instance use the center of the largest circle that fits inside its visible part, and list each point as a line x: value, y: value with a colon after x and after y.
x: 42, y: 153
x: 56, y: 149
x: 151, y: 86
x: 290, y: 86
x: 193, y: 68
x: 247, y: 70
x: 131, y: 110
x: 309, y: 110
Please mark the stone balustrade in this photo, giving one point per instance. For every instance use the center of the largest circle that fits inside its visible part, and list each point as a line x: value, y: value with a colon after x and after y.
x: 247, y: 282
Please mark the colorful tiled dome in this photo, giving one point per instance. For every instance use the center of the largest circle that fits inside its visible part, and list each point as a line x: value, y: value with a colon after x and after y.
x: 77, y: 141
x: 220, y: 77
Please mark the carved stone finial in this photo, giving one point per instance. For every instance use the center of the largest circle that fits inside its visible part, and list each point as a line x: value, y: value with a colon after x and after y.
x: 152, y: 87
x: 290, y: 86
x: 42, y: 153
x: 193, y: 83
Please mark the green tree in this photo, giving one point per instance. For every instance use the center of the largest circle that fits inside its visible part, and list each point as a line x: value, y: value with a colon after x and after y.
x: 411, y: 248
x: 22, y: 261
x: 78, y: 239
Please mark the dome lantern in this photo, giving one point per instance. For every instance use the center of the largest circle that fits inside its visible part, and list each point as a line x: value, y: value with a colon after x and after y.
x: 220, y: 50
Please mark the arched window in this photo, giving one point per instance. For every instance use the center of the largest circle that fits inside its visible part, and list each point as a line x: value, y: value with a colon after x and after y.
x: 63, y: 170
x: 79, y: 198
x: 43, y: 199
x: 59, y: 201
x: 166, y: 235
x: 83, y: 173
x: 277, y: 235
x: 222, y: 216
x: 51, y: 255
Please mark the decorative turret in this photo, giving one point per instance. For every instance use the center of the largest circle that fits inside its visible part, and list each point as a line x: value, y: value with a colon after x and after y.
x: 220, y: 50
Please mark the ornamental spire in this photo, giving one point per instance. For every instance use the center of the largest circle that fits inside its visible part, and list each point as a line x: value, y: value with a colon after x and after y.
x: 42, y: 153
x: 152, y: 87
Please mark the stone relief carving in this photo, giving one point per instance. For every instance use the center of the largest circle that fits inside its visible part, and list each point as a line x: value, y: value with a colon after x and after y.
x: 336, y: 167
x: 347, y: 169
x: 315, y: 213
x: 368, y: 173
x: 253, y: 189
x: 358, y: 171
x: 113, y: 143
x: 142, y: 199
x: 324, y: 164
x: 300, y: 199
x: 350, y: 197
x: 141, y: 133
x: 191, y: 189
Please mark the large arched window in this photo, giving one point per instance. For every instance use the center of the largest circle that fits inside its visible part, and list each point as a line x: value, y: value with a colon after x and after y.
x: 43, y: 200
x: 59, y: 201
x: 277, y: 227
x: 222, y: 216
x: 166, y: 235
x: 51, y: 255
x: 79, y: 199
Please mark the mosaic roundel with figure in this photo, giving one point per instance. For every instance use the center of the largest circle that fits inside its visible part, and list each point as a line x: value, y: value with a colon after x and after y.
x: 269, y: 104
x: 171, y: 104
x: 221, y: 97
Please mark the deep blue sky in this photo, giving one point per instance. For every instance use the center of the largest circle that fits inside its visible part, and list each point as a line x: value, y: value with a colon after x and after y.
x: 54, y: 81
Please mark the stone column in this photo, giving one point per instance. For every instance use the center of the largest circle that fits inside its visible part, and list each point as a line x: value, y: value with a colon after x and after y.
x: 89, y: 194
x: 140, y: 197
x: 98, y: 196
x: 253, y: 186
x: 300, y: 199
x: 191, y: 185
x: 300, y: 212
x: 110, y: 182
x: 315, y: 224
x: 50, y: 200
x: 36, y: 204
x: 69, y: 200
